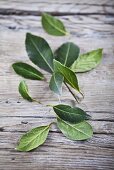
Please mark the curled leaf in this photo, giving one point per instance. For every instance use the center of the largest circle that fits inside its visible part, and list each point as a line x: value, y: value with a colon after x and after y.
x: 79, y: 131
x: 56, y: 83
x: 70, y: 114
x: 23, y: 90
x: 27, y: 71
x: 33, y: 138
x: 87, y: 61
x: 52, y: 25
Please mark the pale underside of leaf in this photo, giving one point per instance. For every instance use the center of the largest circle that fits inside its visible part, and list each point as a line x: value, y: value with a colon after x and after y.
x: 87, y: 61
x: 33, y: 138
x: 79, y: 131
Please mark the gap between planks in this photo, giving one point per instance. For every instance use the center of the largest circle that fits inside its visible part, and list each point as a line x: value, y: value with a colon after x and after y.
x: 39, y: 13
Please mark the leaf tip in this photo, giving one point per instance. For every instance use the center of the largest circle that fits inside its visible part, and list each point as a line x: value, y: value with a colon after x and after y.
x: 67, y: 33
x: 18, y: 148
x: 88, y: 116
x: 100, y: 50
x: 28, y: 34
x: 13, y: 66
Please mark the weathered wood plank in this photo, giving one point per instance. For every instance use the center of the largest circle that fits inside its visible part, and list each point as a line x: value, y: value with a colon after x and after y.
x: 15, y: 123
x: 59, y: 140
x: 23, y: 109
x: 96, y: 153
x: 85, y: 26
x: 90, y: 2
x: 92, y: 159
x: 57, y: 7
x: 35, y: 115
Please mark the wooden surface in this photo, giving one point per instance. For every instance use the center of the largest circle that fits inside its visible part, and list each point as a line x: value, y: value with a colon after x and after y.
x: 91, y: 24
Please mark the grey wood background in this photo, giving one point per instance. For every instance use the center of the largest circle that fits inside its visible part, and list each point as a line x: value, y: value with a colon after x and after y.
x: 91, y: 24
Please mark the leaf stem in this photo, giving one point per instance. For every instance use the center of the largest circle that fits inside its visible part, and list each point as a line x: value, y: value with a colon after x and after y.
x: 82, y: 94
x: 34, y: 100
x: 48, y: 105
x: 52, y: 123
x: 75, y: 97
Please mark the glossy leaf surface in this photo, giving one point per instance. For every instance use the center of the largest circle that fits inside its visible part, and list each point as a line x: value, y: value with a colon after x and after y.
x: 27, y: 71
x: 39, y: 52
x: 70, y: 114
x: 67, y: 53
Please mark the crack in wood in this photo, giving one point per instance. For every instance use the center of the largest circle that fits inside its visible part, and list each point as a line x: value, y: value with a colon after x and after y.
x: 12, y: 11
x: 1, y: 129
x: 55, y: 131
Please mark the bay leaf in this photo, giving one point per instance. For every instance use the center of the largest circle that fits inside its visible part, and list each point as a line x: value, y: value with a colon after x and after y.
x: 33, y: 138
x: 52, y: 25
x: 68, y: 74
x: 23, y: 90
x: 27, y: 71
x: 79, y: 131
x: 67, y: 53
x: 39, y: 52
x: 87, y: 61
x: 70, y: 114
x: 56, y: 83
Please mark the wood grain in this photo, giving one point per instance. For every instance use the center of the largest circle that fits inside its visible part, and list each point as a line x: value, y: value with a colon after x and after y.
x: 91, y: 24
x: 36, y: 7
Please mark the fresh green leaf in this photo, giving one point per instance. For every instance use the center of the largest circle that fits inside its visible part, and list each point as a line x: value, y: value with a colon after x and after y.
x: 68, y: 74
x: 56, y: 83
x: 67, y: 53
x: 70, y: 114
x: 27, y: 71
x: 52, y: 25
x: 87, y: 61
x: 23, y: 90
x: 39, y: 52
x: 79, y: 131
x: 33, y: 138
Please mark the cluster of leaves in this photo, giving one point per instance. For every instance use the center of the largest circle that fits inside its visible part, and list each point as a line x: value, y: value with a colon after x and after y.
x: 62, y: 64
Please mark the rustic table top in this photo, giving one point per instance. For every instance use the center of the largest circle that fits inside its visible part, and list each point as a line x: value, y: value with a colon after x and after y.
x: 91, y: 24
